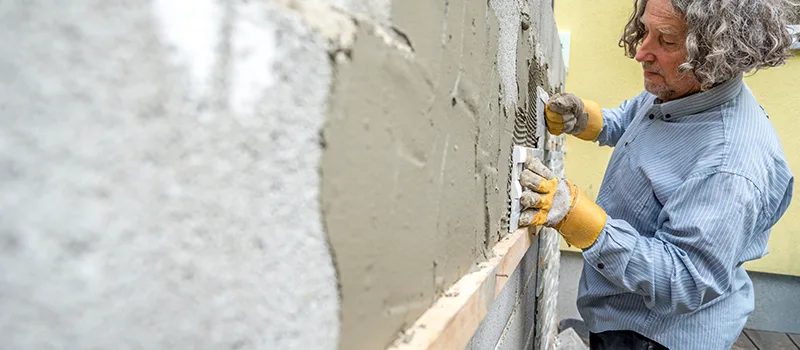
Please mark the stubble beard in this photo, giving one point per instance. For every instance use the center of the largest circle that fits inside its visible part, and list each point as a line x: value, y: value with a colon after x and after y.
x: 661, y: 90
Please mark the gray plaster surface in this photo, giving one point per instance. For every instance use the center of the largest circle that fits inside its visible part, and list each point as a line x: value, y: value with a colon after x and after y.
x: 417, y: 148
x: 171, y: 174
x: 415, y: 168
x: 157, y: 171
x: 508, y: 18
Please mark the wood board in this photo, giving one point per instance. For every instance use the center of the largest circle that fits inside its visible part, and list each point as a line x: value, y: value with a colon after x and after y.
x: 455, y: 316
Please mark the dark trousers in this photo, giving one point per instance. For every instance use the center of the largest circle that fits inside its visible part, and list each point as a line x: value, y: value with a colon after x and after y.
x: 622, y: 340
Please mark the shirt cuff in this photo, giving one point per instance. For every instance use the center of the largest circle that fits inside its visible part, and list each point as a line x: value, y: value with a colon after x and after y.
x: 602, y: 137
x: 611, y: 251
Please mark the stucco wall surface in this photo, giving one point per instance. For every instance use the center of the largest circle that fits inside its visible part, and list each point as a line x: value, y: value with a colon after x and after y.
x: 423, y: 116
x: 157, y: 162
x: 254, y: 174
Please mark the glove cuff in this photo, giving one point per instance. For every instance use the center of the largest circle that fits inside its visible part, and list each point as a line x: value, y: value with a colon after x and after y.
x: 584, y: 221
x: 555, y: 122
x: 595, y: 123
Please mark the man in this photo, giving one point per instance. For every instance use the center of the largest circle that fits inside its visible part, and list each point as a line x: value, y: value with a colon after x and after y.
x: 697, y: 179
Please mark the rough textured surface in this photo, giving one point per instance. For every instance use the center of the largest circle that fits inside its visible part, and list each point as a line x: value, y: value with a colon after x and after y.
x: 508, y: 18
x: 376, y: 10
x: 400, y: 151
x: 166, y: 180
x: 416, y: 167
x: 156, y: 178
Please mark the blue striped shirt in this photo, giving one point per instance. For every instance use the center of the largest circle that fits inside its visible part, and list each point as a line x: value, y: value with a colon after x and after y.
x: 691, y: 191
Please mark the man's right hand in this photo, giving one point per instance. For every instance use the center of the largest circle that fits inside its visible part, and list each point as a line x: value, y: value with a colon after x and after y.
x: 556, y: 202
x: 566, y: 113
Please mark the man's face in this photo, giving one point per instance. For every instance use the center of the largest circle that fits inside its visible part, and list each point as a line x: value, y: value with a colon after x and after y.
x: 663, y: 49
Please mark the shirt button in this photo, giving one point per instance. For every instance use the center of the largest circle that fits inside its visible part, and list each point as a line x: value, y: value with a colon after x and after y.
x: 652, y: 116
x: 601, y: 266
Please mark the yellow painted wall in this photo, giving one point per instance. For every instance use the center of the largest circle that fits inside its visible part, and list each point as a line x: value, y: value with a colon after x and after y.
x: 599, y: 70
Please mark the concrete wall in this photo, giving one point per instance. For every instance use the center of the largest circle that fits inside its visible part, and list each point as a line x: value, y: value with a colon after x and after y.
x: 525, y: 313
x: 415, y: 171
x: 157, y: 171
x: 510, y: 322
x: 254, y: 174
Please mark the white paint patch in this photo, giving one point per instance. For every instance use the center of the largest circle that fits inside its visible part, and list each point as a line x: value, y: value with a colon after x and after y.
x: 508, y: 18
x: 337, y: 27
x: 192, y: 28
x: 376, y: 10
x: 253, y: 41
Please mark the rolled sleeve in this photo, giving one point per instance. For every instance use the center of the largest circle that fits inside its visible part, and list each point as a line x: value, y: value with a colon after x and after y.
x: 616, y: 120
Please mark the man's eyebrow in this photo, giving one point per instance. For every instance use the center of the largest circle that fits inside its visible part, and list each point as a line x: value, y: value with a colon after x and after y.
x: 668, y: 30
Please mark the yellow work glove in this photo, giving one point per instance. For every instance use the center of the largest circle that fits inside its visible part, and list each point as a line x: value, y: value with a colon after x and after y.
x: 557, y: 203
x: 567, y: 113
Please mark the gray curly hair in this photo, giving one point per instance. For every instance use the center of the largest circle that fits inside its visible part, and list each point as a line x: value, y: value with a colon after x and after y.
x: 725, y: 37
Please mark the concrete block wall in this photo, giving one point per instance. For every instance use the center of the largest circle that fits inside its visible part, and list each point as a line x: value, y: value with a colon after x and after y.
x: 256, y: 174
x: 525, y: 314
x: 511, y: 319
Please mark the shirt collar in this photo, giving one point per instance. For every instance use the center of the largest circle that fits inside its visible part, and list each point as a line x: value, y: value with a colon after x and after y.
x: 704, y: 100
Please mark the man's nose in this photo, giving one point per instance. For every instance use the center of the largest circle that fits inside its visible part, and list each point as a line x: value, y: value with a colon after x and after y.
x: 645, y: 52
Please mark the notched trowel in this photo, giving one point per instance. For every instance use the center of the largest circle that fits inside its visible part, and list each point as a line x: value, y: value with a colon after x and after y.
x: 518, y: 157
x: 520, y: 154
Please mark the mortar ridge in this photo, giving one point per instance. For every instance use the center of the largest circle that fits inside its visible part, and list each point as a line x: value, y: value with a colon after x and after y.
x: 338, y: 27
